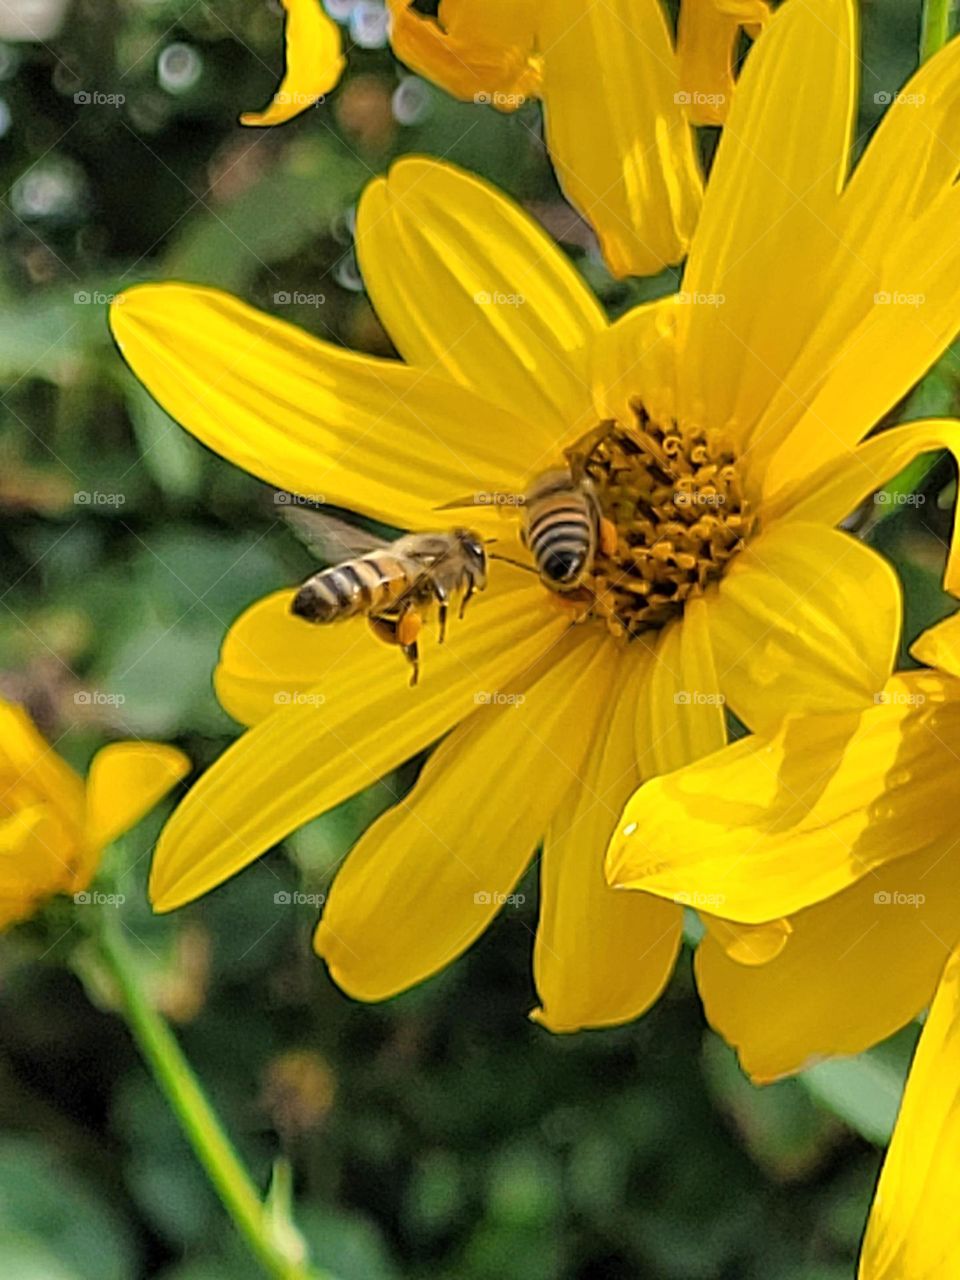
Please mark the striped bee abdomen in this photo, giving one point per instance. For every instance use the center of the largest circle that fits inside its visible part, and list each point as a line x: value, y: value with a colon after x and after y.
x: 354, y: 587
x: 561, y: 532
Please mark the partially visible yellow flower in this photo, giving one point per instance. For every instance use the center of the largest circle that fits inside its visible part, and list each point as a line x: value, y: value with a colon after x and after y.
x: 845, y: 823
x: 478, y: 50
x: 848, y: 824
x: 736, y: 417
x: 914, y: 1228
x: 53, y: 827
x: 607, y: 73
x: 617, y: 95
x: 314, y: 63
x: 708, y: 39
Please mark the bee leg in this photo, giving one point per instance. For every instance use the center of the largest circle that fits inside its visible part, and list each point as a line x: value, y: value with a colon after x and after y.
x: 409, y: 626
x: 443, y: 606
x: 467, y: 595
x: 384, y: 629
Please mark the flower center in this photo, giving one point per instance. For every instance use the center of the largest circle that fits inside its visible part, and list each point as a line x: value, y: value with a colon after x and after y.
x: 674, y: 497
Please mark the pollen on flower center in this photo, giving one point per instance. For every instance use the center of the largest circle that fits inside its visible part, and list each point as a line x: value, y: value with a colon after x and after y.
x: 675, y: 499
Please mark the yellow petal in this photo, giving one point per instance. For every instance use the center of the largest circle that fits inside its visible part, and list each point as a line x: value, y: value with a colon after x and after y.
x: 914, y: 1228
x: 36, y: 860
x: 635, y: 359
x: 429, y: 875
x: 272, y: 659
x: 601, y: 957
x: 314, y: 59
x: 681, y: 714
x: 708, y: 37
x: 768, y: 827
x: 372, y: 435
x: 31, y: 758
x: 478, y: 50
x: 681, y: 719
x: 747, y: 944
x: 911, y: 318
x: 314, y: 752
x: 806, y: 619
x: 754, y: 280
x: 878, y: 247
x: 468, y: 285
x: 618, y: 137
x: 842, y: 484
x: 125, y: 781
x: 910, y: 160
x: 939, y: 646
x: 856, y: 968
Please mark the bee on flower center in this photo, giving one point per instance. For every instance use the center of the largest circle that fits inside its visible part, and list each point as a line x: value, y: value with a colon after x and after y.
x: 391, y: 584
x: 563, y: 527
x: 671, y: 515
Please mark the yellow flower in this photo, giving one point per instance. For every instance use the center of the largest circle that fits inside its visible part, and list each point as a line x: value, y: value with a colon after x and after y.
x: 315, y: 62
x: 847, y: 824
x: 776, y: 361
x: 614, y: 106
x: 608, y: 76
x: 708, y: 39
x: 53, y: 827
x: 913, y: 1230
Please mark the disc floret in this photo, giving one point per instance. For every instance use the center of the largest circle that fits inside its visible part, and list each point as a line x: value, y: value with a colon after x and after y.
x: 674, y: 496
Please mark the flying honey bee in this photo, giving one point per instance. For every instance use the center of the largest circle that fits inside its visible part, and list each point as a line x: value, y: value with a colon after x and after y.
x: 391, y: 584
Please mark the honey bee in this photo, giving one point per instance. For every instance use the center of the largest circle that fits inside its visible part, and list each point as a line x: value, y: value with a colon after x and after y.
x: 563, y: 527
x: 391, y: 584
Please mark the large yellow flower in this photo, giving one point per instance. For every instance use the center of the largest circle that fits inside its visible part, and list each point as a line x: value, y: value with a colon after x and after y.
x: 53, y: 827
x: 735, y: 413
x: 850, y: 825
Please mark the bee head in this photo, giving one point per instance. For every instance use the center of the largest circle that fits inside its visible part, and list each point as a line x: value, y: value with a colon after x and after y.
x: 474, y: 551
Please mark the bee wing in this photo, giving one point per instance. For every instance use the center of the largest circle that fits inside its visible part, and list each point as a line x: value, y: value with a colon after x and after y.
x: 491, y: 498
x: 329, y: 538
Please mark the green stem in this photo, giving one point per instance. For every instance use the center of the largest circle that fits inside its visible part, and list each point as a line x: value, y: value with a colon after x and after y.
x: 935, y: 29
x: 177, y: 1082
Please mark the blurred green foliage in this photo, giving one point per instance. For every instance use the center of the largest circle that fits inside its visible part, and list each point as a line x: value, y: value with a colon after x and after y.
x: 442, y: 1134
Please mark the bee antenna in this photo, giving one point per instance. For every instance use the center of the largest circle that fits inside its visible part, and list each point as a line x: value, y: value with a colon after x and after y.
x: 528, y: 568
